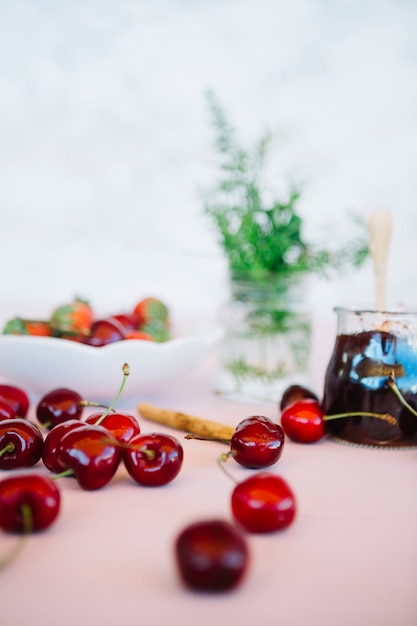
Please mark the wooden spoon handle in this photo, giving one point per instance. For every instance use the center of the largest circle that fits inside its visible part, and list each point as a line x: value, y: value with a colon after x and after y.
x: 379, y: 228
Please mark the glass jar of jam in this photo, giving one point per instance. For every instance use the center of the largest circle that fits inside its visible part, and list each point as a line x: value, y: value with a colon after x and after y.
x: 373, y: 349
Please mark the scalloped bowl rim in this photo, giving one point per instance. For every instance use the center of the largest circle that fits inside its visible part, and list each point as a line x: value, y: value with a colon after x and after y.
x: 40, y: 364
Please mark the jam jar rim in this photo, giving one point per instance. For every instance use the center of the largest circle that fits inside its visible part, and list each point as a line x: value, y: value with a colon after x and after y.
x: 360, y: 310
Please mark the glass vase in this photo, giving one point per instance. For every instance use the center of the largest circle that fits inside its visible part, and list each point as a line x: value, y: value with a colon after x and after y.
x: 266, y: 344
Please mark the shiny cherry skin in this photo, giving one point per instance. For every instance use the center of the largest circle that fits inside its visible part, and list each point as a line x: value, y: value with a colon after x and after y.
x: 59, y: 405
x: 105, y: 331
x: 7, y: 412
x: 294, y: 393
x: 17, y: 398
x: 34, y: 492
x: 52, y: 442
x: 263, y: 503
x: 21, y: 444
x: 211, y: 555
x: 92, y: 453
x: 123, y: 426
x: 303, y: 422
x: 257, y: 442
x: 153, y: 459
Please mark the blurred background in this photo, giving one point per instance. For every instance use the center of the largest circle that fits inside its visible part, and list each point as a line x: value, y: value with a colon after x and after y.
x: 106, y: 142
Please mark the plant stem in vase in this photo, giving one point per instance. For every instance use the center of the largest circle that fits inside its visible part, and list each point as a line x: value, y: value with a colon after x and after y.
x: 266, y: 344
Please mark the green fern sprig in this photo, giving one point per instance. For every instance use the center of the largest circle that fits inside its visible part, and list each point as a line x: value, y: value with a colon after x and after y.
x: 264, y: 242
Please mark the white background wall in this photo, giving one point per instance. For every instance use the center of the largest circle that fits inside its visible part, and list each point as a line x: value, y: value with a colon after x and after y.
x: 105, y: 141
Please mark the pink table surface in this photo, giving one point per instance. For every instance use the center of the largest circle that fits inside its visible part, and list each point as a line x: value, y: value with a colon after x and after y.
x: 349, y: 558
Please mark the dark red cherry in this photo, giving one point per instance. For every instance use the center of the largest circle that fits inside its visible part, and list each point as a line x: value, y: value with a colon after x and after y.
x: 21, y: 443
x: 7, y: 412
x: 154, y: 459
x: 59, y: 405
x: 294, y: 393
x: 105, y: 331
x: 263, y: 503
x: 211, y: 555
x: 303, y: 421
x: 123, y: 426
x: 52, y: 443
x: 257, y: 442
x: 92, y: 453
x: 17, y: 398
x: 28, y: 502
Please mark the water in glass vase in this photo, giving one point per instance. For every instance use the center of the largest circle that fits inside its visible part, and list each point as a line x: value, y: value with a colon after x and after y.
x: 266, y: 344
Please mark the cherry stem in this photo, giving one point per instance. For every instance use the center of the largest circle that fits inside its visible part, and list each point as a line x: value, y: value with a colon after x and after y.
x: 63, y: 474
x: 126, y: 372
x: 393, y: 386
x: 219, y: 439
x: 26, y: 531
x: 84, y: 403
x: 10, y: 447
x: 221, y: 461
x: 382, y: 416
x: 150, y: 454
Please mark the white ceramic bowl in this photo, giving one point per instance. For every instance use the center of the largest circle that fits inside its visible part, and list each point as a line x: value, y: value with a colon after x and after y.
x: 40, y: 364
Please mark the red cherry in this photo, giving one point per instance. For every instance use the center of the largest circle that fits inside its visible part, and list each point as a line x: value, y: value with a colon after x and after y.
x: 52, y: 442
x: 263, y: 503
x: 294, y: 393
x: 211, y: 555
x: 21, y: 443
x: 105, y: 331
x: 7, y: 412
x: 154, y: 459
x: 303, y: 422
x: 59, y: 405
x: 16, y: 397
x: 92, y: 453
x: 257, y: 442
x: 28, y: 492
x: 123, y: 426
x: 129, y: 321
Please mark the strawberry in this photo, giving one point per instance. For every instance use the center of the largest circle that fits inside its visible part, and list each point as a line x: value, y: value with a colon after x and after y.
x: 20, y: 326
x: 72, y: 320
x: 138, y: 334
x: 153, y: 318
x: 150, y: 309
x: 157, y: 329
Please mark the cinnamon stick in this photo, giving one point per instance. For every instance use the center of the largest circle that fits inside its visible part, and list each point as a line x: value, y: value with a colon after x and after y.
x: 203, y: 428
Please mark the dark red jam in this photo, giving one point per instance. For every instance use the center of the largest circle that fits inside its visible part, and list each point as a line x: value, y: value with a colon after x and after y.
x: 357, y: 380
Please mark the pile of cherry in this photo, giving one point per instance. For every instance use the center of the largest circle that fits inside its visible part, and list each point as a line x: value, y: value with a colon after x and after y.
x: 210, y: 554
x: 90, y: 450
